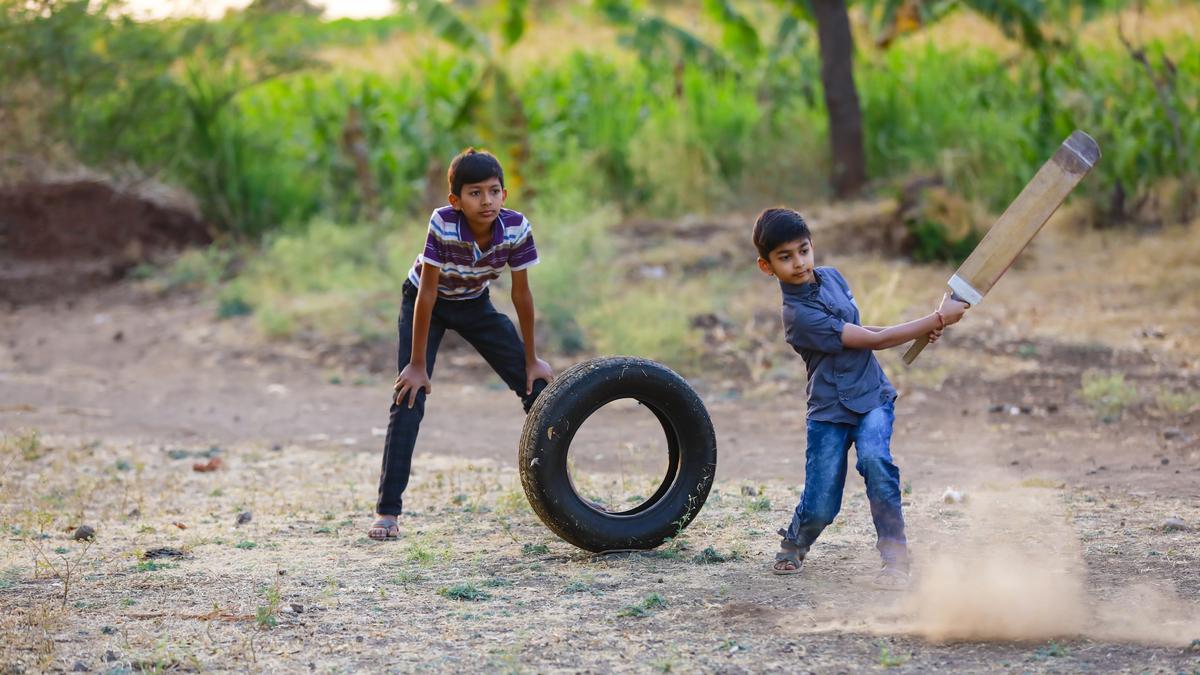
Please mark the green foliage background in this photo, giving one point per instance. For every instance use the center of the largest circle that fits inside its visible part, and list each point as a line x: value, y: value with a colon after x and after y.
x: 246, y: 114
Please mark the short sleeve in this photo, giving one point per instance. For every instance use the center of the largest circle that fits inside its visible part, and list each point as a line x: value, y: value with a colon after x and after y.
x: 524, y: 253
x: 434, y: 253
x: 814, y: 329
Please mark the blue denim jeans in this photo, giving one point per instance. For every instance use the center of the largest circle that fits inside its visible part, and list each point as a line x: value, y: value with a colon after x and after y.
x: 825, y: 478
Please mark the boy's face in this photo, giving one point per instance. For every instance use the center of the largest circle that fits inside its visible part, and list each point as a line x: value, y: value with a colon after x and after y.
x: 480, y: 202
x: 791, y: 262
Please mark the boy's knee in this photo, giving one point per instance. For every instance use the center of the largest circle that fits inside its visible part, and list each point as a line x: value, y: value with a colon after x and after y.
x: 878, y: 466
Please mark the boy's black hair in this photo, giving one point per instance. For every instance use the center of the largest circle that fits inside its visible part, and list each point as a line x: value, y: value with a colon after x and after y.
x: 473, y: 166
x: 776, y: 227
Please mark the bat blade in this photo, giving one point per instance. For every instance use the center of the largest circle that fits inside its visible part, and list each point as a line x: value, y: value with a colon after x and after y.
x: 1020, y: 222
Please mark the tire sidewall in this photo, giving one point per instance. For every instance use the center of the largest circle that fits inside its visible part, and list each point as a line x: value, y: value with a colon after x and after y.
x: 563, y: 408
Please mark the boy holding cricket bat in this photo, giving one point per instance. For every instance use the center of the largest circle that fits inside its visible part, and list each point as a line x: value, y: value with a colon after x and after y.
x: 850, y: 400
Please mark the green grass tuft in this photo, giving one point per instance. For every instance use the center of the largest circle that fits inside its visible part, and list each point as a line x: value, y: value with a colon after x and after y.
x: 1107, y: 394
x: 464, y: 592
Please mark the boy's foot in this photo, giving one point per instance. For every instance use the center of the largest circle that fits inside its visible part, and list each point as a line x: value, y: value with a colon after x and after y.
x: 789, y: 560
x: 787, y: 563
x: 384, y: 528
x: 892, y: 578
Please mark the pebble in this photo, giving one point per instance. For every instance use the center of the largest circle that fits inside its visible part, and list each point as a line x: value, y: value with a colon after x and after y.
x: 205, y: 467
x: 1174, y: 524
x: 162, y: 553
x: 952, y: 496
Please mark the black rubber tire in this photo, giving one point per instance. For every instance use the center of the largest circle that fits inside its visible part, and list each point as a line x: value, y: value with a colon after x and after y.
x: 562, y: 409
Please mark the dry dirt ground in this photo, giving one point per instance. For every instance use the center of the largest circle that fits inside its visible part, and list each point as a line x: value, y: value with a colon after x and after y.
x: 1061, y: 558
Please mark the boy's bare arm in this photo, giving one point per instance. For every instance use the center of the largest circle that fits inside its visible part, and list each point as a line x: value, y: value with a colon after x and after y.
x: 522, y: 298
x: 415, y: 375
x: 933, y: 337
x: 859, y: 337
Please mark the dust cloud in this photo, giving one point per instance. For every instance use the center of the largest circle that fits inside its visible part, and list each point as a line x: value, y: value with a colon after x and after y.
x: 1010, y: 568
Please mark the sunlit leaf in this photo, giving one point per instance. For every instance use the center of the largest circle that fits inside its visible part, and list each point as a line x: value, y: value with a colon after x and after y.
x: 740, y: 34
x: 447, y: 25
x: 514, y: 21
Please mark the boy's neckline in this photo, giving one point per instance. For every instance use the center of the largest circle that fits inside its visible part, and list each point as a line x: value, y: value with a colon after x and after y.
x: 469, y: 234
x: 806, y: 288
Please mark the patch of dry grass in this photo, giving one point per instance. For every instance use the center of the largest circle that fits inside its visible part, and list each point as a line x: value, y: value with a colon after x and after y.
x: 299, y: 586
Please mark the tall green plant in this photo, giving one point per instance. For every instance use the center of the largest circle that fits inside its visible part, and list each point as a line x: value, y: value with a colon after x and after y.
x: 230, y: 169
x: 491, y: 104
x: 84, y: 76
x: 659, y: 41
x: 653, y: 37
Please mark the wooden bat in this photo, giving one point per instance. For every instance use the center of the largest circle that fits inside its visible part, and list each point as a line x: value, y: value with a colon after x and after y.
x: 1019, y: 223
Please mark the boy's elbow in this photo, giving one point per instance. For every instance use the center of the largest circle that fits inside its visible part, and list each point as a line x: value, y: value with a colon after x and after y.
x: 854, y: 339
x: 864, y: 339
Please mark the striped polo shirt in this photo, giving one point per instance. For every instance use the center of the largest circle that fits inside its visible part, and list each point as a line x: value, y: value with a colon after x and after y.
x: 466, y: 269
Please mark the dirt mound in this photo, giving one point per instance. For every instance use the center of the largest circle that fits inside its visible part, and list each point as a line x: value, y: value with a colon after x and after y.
x: 67, y: 236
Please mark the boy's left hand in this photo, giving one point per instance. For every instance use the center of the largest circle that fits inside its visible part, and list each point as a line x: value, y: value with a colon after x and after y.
x: 935, y: 334
x: 537, y: 370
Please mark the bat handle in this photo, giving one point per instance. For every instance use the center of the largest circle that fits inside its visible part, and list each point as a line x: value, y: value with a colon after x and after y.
x: 917, y: 346
x: 923, y: 341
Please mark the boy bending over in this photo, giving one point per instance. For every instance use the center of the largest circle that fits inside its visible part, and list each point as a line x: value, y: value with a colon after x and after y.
x: 469, y: 243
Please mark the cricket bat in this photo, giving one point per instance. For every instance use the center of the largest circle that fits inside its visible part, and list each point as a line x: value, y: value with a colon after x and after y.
x: 1019, y: 223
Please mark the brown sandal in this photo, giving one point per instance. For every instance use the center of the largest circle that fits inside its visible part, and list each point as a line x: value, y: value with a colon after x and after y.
x: 790, y: 559
x: 384, y: 528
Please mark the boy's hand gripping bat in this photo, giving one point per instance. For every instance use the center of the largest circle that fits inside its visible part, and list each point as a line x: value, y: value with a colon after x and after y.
x: 1019, y: 223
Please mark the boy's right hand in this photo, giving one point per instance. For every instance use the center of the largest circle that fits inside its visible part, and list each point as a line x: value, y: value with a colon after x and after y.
x: 952, y: 309
x: 411, y: 380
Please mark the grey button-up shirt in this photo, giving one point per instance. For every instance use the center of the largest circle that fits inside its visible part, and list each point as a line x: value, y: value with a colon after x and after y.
x: 843, y: 384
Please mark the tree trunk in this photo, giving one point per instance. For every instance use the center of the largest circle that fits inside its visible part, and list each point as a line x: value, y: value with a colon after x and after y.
x: 841, y: 96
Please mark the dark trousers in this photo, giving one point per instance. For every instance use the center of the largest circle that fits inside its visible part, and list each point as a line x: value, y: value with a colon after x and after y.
x: 825, y: 477
x: 490, y: 332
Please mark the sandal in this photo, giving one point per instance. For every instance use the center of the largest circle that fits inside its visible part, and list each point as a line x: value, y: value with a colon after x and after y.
x: 790, y: 559
x: 384, y: 528
x: 892, y: 578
